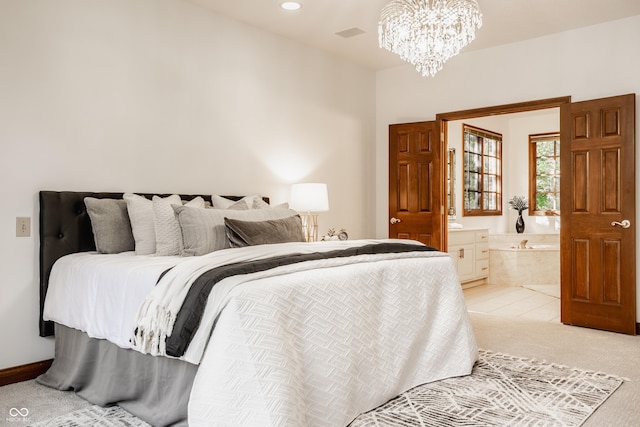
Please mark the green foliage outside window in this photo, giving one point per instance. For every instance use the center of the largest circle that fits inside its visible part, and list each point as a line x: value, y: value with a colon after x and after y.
x: 545, y: 182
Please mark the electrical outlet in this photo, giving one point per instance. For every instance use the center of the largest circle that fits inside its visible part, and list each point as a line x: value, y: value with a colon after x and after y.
x: 23, y: 226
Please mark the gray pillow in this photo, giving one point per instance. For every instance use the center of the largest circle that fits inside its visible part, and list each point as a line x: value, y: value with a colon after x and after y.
x: 203, y: 230
x: 111, y: 226
x: 249, y: 233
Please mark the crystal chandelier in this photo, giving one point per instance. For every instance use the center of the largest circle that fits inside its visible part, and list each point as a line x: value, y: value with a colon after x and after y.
x: 426, y: 33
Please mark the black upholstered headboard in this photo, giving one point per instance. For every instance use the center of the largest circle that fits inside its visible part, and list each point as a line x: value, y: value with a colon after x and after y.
x: 65, y: 228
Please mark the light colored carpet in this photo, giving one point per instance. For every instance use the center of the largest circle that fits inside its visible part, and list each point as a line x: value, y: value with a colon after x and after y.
x: 35, y: 403
x: 582, y: 348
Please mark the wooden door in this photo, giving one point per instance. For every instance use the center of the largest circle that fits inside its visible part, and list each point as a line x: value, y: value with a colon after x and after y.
x: 416, y: 183
x: 598, y: 256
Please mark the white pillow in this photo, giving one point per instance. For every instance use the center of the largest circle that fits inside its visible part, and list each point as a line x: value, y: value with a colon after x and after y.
x: 203, y: 230
x: 167, y: 227
x: 240, y: 205
x: 220, y: 202
x: 141, y: 216
x: 258, y: 203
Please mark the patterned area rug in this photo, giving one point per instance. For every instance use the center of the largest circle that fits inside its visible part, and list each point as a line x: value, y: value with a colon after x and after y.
x: 113, y: 416
x: 501, y: 391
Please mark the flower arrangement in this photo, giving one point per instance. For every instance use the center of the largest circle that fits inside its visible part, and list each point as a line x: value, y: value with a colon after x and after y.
x: 518, y: 203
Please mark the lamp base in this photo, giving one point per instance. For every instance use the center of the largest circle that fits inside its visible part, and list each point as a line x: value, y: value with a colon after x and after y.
x: 310, y: 226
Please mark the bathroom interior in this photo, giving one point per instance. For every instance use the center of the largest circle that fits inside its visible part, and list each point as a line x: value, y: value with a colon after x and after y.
x: 505, y: 257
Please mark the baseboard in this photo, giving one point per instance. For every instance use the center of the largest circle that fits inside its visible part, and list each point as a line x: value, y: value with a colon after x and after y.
x: 23, y: 372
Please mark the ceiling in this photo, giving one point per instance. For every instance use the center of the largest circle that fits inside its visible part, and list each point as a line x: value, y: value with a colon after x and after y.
x: 504, y: 21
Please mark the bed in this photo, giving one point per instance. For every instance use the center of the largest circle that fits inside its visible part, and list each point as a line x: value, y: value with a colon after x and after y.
x: 251, y: 328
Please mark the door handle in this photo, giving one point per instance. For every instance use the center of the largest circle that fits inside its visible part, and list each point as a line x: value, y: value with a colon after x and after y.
x: 625, y: 223
x: 395, y: 220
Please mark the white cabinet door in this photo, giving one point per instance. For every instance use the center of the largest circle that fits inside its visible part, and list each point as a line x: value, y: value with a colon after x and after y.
x: 469, y: 250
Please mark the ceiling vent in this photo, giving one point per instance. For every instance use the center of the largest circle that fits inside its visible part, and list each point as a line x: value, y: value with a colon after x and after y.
x: 351, y: 32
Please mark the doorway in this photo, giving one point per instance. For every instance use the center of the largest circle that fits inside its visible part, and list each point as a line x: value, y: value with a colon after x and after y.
x: 516, y: 285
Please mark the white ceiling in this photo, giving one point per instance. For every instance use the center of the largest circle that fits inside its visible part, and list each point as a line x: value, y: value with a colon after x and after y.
x: 504, y: 21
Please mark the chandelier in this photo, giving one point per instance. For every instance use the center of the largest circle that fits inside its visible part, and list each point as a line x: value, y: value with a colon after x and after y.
x: 426, y: 33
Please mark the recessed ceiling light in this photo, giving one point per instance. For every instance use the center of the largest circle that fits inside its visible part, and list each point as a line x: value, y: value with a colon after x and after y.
x: 290, y: 5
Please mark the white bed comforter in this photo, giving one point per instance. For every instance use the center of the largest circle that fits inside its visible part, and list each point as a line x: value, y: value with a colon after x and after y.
x: 100, y: 294
x: 317, y: 347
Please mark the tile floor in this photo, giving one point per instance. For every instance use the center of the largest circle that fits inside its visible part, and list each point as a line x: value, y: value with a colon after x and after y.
x: 536, y: 303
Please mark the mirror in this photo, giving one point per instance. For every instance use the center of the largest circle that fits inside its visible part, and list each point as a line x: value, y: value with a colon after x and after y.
x: 451, y: 181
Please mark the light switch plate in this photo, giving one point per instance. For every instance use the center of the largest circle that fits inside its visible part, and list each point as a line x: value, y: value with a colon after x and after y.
x: 23, y: 226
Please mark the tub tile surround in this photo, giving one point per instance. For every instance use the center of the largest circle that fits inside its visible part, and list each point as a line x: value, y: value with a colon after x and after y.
x: 505, y: 240
x: 538, y: 265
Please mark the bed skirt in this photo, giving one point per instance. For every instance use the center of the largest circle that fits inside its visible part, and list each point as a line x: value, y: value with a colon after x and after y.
x: 155, y: 389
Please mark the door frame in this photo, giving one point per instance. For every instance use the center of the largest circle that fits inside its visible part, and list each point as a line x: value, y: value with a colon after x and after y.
x: 520, y: 107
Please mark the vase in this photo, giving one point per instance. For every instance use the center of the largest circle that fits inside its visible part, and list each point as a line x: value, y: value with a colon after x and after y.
x: 520, y: 223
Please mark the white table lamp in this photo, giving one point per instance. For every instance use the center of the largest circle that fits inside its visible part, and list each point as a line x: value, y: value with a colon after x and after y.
x: 309, y: 199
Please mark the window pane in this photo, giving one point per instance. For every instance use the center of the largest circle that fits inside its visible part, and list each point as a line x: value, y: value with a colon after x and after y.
x: 473, y: 145
x: 490, y: 183
x: 490, y: 201
x: 490, y: 147
x: 544, y: 183
x: 548, y: 202
x: 473, y: 162
x: 490, y: 165
x: 545, y: 166
x: 471, y: 200
x: 474, y: 182
x: 545, y: 148
x: 541, y: 201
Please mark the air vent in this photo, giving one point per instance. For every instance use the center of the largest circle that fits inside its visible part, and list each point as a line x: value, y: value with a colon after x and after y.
x: 351, y: 32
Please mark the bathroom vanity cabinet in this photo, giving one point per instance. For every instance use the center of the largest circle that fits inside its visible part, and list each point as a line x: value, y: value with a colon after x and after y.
x: 469, y: 249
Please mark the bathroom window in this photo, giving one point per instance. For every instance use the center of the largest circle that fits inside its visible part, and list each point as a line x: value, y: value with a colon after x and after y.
x: 482, y: 172
x: 544, y: 174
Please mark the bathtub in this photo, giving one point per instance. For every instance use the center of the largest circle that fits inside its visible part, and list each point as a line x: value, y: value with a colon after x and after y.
x: 538, y: 263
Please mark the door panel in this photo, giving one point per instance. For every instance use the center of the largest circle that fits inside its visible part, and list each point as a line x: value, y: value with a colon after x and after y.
x: 599, y: 285
x: 415, y: 183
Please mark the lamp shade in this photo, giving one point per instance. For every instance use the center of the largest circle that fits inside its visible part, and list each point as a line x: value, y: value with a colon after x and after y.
x: 309, y: 197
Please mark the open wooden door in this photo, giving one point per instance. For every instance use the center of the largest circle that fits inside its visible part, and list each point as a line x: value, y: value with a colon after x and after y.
x: 416, y: 183
x: 598, y: 255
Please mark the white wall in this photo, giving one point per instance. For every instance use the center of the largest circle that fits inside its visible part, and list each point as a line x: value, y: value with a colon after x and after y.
x: 515, y: 130
x: 587, y: 63
x: 164, y: 96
